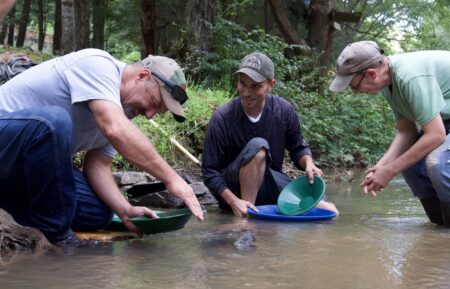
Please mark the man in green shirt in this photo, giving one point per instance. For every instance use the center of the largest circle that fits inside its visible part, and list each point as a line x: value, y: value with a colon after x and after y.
x: 417, y: 87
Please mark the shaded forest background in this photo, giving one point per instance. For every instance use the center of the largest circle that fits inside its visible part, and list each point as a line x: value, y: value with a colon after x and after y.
x: 209, y: 37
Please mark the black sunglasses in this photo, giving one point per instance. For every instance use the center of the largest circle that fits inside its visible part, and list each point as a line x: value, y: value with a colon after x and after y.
x: 363, y: 74
x: 178, y: 93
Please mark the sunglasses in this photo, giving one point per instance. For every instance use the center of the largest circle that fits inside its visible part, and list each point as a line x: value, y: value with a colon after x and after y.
x: 178, y: 93
x: 360, y: 80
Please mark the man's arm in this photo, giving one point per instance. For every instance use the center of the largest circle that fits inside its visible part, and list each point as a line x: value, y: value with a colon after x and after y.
x: 97, y: 170
x: 214, y: 153
x: 134, y: 146
x: 404, y: 152
x: 212, y: 164
x: 405, y: 137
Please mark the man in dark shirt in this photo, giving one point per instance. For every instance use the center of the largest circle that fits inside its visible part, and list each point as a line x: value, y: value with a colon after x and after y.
x: 246, y: 139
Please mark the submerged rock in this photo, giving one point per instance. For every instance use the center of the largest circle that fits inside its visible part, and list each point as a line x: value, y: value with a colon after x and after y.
x: 244, y: 241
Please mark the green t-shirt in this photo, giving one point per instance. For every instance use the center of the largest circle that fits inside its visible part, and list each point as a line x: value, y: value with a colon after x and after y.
x: 420, y: 85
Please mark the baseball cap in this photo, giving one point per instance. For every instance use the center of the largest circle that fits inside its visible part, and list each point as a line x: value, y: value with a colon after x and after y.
x: 355, y: 58
x: 172, y: 80
x: 257, y: 66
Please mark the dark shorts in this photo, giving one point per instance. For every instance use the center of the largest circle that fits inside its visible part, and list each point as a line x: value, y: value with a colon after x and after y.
x: 272, y: 184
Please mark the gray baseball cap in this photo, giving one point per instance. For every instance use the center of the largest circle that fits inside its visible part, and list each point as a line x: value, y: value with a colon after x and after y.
x: 355, y: 58
x: 257, y: 66
x: 168, y: 69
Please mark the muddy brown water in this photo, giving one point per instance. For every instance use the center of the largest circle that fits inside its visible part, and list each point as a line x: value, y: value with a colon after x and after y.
x: 383, y: 242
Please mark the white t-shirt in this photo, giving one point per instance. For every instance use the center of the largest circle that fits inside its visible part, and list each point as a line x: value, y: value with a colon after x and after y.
x: 69, y: 82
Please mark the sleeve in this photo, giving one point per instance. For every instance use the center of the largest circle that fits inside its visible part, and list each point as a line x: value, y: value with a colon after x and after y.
x: 295, y: 143
x: 108, y: 150
x: 424, y: 96
x: 94, y: 77
x: 213, y: 156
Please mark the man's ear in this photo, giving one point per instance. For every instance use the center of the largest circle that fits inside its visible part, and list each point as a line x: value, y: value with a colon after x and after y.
x: 272, y: 83
x: 143, y: 74
x: 372, y: 72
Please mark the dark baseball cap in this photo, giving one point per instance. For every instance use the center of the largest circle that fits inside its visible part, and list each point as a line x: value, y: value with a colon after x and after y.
x: 257, y: 66
x: 355, y: 58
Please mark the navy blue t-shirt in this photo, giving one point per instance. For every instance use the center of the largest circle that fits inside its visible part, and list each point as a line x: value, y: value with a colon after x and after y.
x: 229, y: 130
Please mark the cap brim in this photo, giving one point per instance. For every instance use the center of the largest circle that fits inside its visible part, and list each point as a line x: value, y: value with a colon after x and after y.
x: 252, y: 74
x: 340, y: 83
x: 172, y: 105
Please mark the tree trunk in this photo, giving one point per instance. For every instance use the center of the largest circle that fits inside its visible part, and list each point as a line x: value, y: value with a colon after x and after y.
x: 23, y: 23
x: 82, y: 24
x: 12, y: 20
x: 58, y: 28
x: 41, y: 23
x: 320, y: 34
x: 3, y: 33
x: 267, y: 20
x: 68, y: 26
x: 287, y: 29
x: 199, y: 14
x: 148, y: 27
x: 98, y: 22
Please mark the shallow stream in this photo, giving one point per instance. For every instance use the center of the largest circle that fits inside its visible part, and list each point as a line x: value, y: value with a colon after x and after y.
x: 383, y: 242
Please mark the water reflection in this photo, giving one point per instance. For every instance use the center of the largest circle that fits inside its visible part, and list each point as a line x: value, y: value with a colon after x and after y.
x: 383, y: 242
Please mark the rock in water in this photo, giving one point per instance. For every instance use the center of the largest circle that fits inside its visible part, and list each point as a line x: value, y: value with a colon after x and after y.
x: 245, y: 241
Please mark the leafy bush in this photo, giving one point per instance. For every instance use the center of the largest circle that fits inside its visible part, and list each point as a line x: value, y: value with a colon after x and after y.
x: 343, y: 129
x: 346, y: 129
x: 232, y: 42
x: 190, y: 134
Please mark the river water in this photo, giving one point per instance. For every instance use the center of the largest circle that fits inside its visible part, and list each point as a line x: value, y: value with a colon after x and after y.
x: 382, y: 242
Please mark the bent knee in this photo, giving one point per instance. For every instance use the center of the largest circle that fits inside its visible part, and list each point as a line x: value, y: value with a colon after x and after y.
x: 433, y: 159
x: 327, y: 206
x: 258, y: 142
x: 261, y: 155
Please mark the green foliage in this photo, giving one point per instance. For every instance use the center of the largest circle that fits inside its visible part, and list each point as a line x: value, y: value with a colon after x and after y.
x: 343, y: 129
x: 433, y: 31
x: 123, y: 33
x: 395, y: 25
x: 232, y: 42
x: 190, y: 134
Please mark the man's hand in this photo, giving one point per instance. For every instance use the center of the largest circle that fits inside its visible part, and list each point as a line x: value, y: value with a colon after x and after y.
x: 136, y: 212
x: 376, y: 179
x: 182, y: 190
x: 311, y: 171
x: 240, y: 207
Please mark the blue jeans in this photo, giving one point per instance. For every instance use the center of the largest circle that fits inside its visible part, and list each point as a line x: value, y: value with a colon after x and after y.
x: 431, y: 176
x: 39, y: 186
